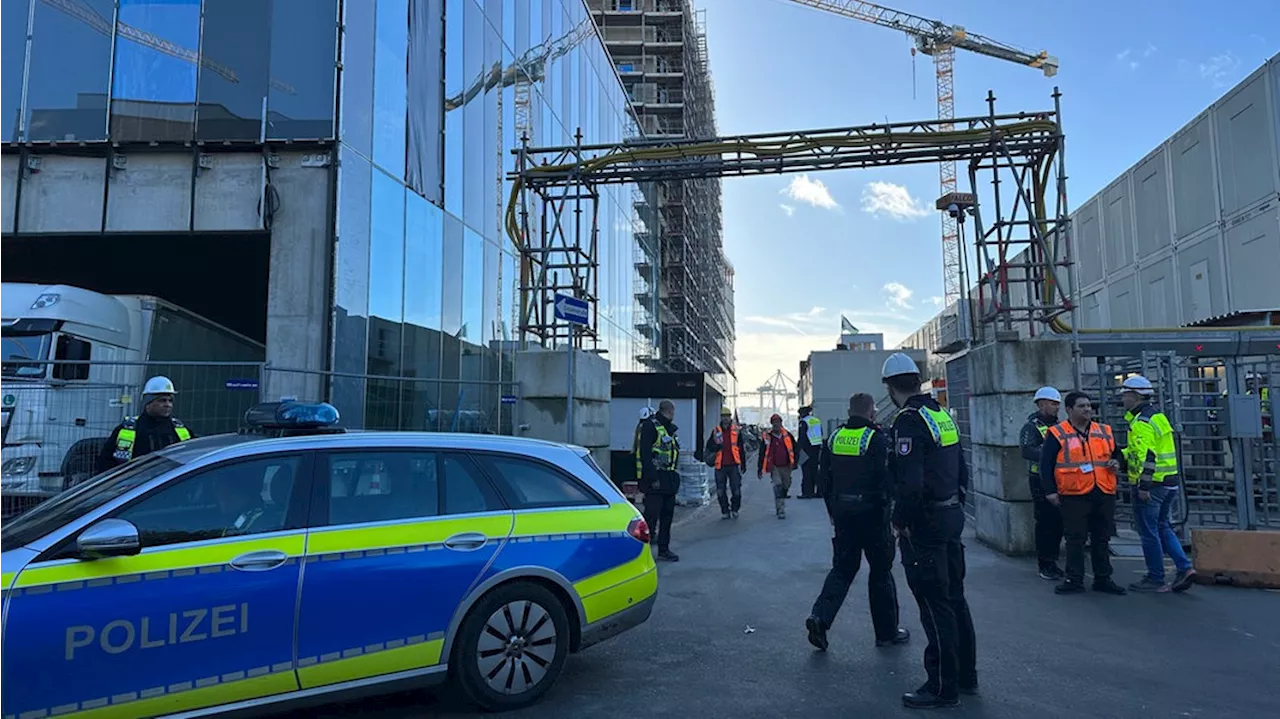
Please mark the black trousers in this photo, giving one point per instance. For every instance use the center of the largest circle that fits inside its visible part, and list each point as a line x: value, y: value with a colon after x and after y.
x: 1091, y: 515
x: 659, y: 509
x: 864, y: 533
x: 729, y: 480
x: 1048, y: 532
x: 933, y: 560
x: 809, y: 474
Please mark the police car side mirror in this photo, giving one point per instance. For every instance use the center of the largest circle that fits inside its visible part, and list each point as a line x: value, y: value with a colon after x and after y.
x: 109, y: 538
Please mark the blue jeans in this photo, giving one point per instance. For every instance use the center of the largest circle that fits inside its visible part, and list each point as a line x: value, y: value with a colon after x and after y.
x: 1153, y: 518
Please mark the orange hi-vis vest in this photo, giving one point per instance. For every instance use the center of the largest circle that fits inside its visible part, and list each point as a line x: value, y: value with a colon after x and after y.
x: 1082, y: 459
x: 768, y: 450
x: 733, y: 442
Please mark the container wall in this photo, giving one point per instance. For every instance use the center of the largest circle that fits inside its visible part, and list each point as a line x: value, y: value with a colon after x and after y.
x: 1246, y: 145
x: 1153, y: 223
x: 1122, y: 301
x: 1253, y: 254
x: 1117, y: 225
x: 1201, y: 282
x: 1158, y: 290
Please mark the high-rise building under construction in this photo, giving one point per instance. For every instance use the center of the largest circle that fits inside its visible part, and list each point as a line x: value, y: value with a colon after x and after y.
x: 684, y: 288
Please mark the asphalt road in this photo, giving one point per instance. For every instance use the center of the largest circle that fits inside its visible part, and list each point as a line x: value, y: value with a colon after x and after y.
x: 726, y: 639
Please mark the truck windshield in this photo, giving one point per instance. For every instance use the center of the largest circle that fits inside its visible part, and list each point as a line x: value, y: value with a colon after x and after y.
x: 25, y: 346
x: 80, y: 500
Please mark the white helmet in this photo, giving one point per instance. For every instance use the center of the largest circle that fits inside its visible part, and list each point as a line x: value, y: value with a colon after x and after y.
x: 898, y: 364
x: 158, y: 385
x: 1048, y: 393
x: 1139, y: 384
x: 645, y: 413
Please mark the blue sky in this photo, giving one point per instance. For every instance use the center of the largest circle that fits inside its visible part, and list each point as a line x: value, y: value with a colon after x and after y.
x: 807, y: 248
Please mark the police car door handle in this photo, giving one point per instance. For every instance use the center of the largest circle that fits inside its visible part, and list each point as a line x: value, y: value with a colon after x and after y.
x: 466, y: 541
x: 259, y: 561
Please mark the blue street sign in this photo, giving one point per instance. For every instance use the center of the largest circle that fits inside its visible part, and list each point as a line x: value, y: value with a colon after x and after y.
x: 509, y: 399
x: 244, y: 384
x: 571, y: 309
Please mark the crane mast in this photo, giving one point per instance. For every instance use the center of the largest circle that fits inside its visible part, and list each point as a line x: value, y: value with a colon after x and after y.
x: 940, y: 41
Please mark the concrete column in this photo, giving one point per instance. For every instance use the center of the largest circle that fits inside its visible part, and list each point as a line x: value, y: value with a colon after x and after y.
x: 1004, y: 378
x: 543, y: 378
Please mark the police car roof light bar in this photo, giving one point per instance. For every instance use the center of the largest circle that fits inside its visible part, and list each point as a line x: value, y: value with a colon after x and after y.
x: 291, y: 415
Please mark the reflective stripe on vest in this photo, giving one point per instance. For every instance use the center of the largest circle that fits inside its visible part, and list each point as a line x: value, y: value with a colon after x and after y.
x: 1158, y: 438
x: 941, y: 426
x: 1082, y: 460
x: 851, y: 442
x: 768, y: 450
x: 1044, y: 429
x: 665, y: 450
x: 128, y: 436
x: 733, y: 442
x: 814, y: 430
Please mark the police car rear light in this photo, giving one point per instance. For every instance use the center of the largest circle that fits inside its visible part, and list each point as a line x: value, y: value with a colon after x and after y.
x: 291, y: 415
x: 639, y: 529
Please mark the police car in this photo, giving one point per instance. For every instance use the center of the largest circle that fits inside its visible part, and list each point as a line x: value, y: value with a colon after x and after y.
x: 237, y: 572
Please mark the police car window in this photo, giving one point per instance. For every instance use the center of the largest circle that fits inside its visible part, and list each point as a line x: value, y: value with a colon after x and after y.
x: 228, y: 500
x: 465, y: 489
x: 530, y: 485
x: 382, y: 486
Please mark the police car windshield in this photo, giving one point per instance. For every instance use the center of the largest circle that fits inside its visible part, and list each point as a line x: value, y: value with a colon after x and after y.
x: 79, y: 501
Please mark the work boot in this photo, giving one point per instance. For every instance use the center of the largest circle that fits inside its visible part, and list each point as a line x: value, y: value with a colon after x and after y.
x: 734, y: 514
x: 780, y: 508
x: 668, y: 556
x: 968, y: 686
x: 1108, y: 586
x: 817, y: 632
x: 726, y: 515
x: 1147, y: 585
x: 901, y: 637
x: 1069, y: 587
x: 1050, y: 572
x: 1184, y: 580
x: 924, y: 698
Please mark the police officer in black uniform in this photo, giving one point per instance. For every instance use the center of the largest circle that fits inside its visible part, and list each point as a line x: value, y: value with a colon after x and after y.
x: 853, y: 480
x: 930, y: 479
x: 153, y: 430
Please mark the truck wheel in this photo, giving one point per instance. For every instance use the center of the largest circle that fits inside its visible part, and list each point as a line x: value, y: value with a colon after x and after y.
x: 511, y: 647
x: 78, y: 465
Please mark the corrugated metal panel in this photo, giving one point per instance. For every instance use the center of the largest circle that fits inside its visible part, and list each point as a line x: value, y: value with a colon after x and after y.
x: 1253, y: 255
x: 1117, y: 225
x: 1093, y: 309
x: 1159, y: 299
x: 1201, y: 284
x: 1195, y: 191
x: 1087, y: 231
x: 1246, y: 145
x: 1122, y: 302
x: 1153, y: 223
x: 1275, y: 97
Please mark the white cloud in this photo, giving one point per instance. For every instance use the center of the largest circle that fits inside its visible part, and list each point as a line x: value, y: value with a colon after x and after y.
x: 1123, y: 54
x: 1151, y: 50
x: 812, y: 192
x: 788, y: 209
x: 897, y: 295
x: 892, y: 200
x: 1220, y: 69
x: 937, y: 301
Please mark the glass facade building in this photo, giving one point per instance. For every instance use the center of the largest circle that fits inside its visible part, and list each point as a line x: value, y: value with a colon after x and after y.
x: 421, y: 103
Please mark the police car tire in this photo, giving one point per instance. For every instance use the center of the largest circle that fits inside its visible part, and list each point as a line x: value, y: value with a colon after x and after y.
x: 466, y: 659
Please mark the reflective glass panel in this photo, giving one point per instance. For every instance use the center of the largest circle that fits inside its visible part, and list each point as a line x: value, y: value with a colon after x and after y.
x: 236, y: 57
x: 425, y: 171
x: 451, y: 312
x: 423, y: 273
x: 474, y: 140
x: 351, y: 283
x: 304, y: 46
x: 473, y: 297
x: 357, y: 76
x: 386, y: 249
x: 453, y: 114
x: 494, y: 156
x: 13, y: 57
x: 153, y: 93
x: 70, y: 72
x: 390, y: 86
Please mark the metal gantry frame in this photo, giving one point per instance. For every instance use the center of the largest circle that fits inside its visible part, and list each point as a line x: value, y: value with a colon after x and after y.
x: 552, y: 211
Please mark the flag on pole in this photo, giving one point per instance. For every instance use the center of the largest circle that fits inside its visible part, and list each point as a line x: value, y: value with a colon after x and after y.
x: 846, y: 327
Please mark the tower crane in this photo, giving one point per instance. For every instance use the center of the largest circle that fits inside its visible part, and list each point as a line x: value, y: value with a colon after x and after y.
x: 940, y: 40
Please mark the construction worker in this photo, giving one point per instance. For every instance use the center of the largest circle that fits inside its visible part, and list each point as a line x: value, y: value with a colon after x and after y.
x: 657, y: 453
x: 1151, y: 459
x: 930, y: 479
x: 778, y: 460
x: 730, y: 461
x: 854, y: 483
x: 1078, y: 465
x: 1048, y: 517
x: 811, y: 444
x: 153, y: 430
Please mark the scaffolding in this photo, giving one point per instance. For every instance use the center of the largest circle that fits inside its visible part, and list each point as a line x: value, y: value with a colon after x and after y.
x: 683, y: 303
x: 1018, y: 155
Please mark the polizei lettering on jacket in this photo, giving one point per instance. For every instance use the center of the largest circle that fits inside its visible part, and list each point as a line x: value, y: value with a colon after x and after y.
x: 193, y: 625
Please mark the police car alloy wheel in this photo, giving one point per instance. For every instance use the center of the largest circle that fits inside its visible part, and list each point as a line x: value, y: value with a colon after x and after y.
x: 512, y: 646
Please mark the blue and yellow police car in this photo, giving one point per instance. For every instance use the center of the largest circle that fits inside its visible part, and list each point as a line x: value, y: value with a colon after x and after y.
x: 242, y: 572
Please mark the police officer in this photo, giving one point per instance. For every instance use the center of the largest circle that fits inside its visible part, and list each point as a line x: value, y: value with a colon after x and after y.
x: 657, y: 453
x: 811, y: 444
x: 155, y: 429
x: 930, y: 479
x: 1048, y: 517
x: 854, y: 482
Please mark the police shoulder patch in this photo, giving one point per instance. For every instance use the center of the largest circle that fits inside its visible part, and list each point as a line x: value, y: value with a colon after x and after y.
x: 904, y: 446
